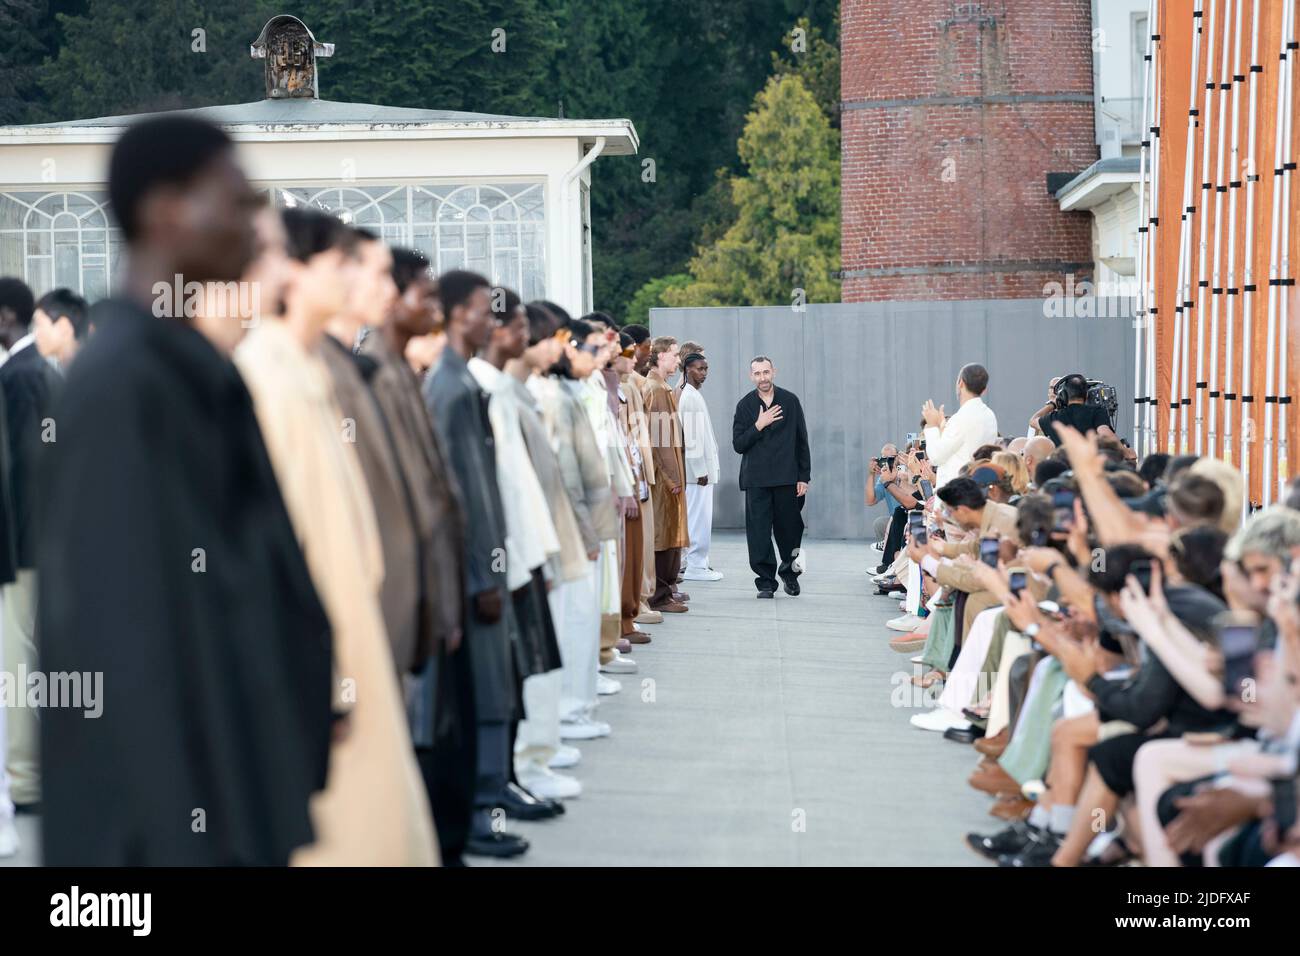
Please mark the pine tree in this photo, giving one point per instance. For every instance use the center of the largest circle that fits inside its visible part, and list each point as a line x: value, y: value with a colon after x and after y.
x: 786, y: 236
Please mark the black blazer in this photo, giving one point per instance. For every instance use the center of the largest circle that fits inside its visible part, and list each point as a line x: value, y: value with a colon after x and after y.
x: 29, y: 384
x: 777, y: 455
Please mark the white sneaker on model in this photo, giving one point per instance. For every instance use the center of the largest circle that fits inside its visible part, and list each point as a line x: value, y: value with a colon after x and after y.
x: 8, y: 837
x: 906, y: 623
x: 607, y: 685
x: 548, y: 783
x: 703, y: 574
x: 939, y: 720
x: 619, y: 665
x: 567, y: 756
x: 583, y: 728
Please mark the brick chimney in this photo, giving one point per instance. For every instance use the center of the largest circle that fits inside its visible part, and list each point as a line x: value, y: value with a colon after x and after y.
x: 954, y: 115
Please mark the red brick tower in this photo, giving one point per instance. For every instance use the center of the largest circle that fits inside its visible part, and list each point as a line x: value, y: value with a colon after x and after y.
x: 954, y: 114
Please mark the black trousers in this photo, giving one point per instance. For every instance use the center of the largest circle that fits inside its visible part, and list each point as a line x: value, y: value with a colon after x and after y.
x: 772, y: 512
x: 894, y: 538
x: 450, y: 766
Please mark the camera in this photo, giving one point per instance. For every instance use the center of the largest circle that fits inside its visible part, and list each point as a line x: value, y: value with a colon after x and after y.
x: 1098, y: 393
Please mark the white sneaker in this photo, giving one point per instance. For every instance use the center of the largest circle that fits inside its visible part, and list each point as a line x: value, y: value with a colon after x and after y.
x: 8, y: 837
x: 919, y: 658
x: 548, y: 783
x: 619, y: 665
x: 607, y: 685
x: 566, y: 756
x: 939, y: 720
x: 702, y: 574
x: 906, y: 623
x: 583, y: 728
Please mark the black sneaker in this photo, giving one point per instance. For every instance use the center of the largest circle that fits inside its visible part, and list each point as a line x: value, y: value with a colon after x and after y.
x: 1038, y: 853
x: 766, y: 594
x: 792, y: 586
x: 1014, y: 839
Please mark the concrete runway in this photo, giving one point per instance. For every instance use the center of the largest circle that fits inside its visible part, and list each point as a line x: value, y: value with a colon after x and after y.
x: 761, y: 733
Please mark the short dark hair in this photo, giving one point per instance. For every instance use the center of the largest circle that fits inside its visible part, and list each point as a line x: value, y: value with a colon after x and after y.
x: 557, y: 310
x: 975, y: 378
x: 1047, y: 469
x: 1197, y: 553
x: 1034, y: 512
x: 1075, y: 387
x: 693, y: 358
x: 1126, y: 483
x: 1108, y: 574
x: 309, y: 232
x: 639, y: 333
x: 603, y: 318
x: 408, y: 266
x: 455, y: 288
x: 761, y: 358
x: 512, y: 303
x: 1153, y: 467
x: 579, y: 329
x: 168, y: 150
x: 962, y: 492
x: 625, y: 341
x: 66, y: 304
x: 364, y: 234
x: 542, y: 323
x: 1195, y: 499
x: 17, y: 299
x: 985, y: 452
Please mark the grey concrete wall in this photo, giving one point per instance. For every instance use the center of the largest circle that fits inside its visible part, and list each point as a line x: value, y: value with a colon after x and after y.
x: 864, y: 370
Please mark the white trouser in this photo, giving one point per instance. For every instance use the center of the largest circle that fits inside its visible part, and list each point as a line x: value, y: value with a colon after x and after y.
x: 699, y: 524
x: 22, y: 732
x: 579, y: 639
x: 538, y: 737
x: 962, y: 689
x: 6, y: 804
x: 913, y: 583
x: 1013, y: 646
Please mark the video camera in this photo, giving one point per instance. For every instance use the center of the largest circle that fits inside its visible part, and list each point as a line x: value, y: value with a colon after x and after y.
x: 1099, y: 394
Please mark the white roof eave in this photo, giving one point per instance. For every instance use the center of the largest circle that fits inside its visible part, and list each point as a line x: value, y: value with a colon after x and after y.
x: 620, y: 135
x: 1096, y: 190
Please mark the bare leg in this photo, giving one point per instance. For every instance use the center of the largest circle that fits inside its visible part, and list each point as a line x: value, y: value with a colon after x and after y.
x: 1096, y: 796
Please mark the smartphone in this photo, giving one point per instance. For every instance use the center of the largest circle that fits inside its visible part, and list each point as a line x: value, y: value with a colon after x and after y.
x: 916, y: 527
x: 1284, y: 804
x: 911, y: 437
x: 989, y: 551
x: 1063, y: 507
x: 927, y: 489
x: 1238, y: 643
x: 920, y: 452
x: 1017, y: 578
x: 884, y: 464
x: 1141, y: 570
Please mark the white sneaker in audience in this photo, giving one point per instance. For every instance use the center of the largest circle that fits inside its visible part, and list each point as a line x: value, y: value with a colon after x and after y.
x: 906, y: 623
x: 567, y: 756
x: 548, y: 783
x: 8, y: 837
x: 703, y: 574
x: 607, y: 685
x: 583, y: 728
x: 619, y: 665
x: 939, y: 720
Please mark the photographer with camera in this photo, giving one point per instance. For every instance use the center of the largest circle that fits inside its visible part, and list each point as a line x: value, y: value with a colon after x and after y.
x: 1068, y: 403
x: 889, y: 484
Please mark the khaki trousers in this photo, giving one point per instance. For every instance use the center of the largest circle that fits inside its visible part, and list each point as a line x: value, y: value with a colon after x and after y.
x: 22, y: 757
x: 647, y: 552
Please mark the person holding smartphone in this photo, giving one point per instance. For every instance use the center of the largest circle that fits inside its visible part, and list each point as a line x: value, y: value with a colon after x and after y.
x: 886, y: 485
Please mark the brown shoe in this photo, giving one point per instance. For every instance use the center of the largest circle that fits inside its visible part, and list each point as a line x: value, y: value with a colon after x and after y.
x: 1011, y: 808
x: 672, y: 607
x: 993, y: 746
x: 637, y: 637
x: 994, y: 780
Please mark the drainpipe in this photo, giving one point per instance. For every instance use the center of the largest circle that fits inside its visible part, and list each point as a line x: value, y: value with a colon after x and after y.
x: 597, y: 148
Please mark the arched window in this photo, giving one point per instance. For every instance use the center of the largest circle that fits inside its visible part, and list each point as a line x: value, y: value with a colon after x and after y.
x: 54, y: 239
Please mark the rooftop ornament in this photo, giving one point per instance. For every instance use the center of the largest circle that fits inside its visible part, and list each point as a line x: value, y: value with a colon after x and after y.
x: 290, y: 52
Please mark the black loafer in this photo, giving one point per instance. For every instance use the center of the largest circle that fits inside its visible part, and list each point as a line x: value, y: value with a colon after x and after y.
x: 766, y: 594
x: 963, y: 735
x: 1011, y: 841
x: 792, y: 586
x: 519, y: 804
x: 502, y: 845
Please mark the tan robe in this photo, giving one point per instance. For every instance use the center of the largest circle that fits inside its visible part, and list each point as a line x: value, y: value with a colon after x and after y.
x: 669, y: 463
x: 373, y: 811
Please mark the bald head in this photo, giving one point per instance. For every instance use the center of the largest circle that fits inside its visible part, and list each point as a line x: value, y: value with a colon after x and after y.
x: 1017, y: 445
x: 1037, y: 449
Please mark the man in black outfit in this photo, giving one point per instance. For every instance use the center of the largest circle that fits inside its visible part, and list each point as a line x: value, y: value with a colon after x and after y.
x: 770, y: 435
x: 1077, y: 413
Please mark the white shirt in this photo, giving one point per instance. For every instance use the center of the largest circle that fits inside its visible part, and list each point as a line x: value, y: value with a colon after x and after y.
x: 949, y: 451
x: 697, y: 435
x: 530, y: 534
